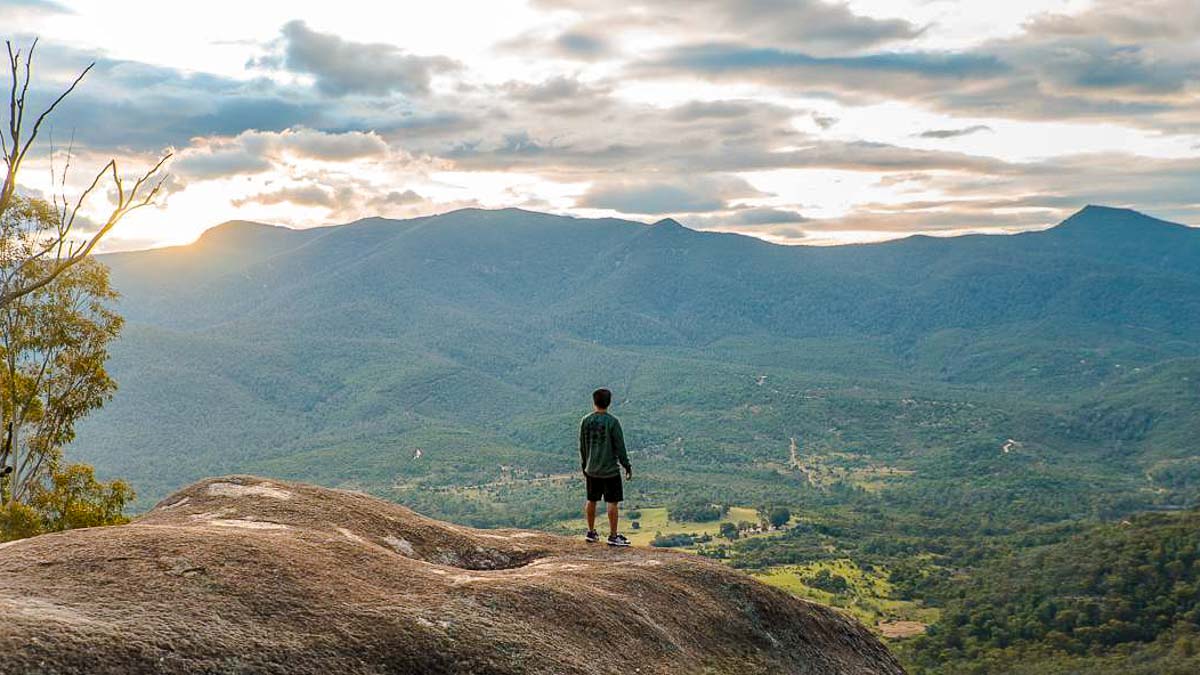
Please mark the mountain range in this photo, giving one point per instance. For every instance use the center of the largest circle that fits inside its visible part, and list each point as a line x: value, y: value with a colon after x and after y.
x: 334, y: 354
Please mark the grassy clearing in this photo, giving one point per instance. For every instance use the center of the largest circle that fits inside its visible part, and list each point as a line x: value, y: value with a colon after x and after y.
x: 864, y: 593
x: 655, y: 520
x: 831, y: 468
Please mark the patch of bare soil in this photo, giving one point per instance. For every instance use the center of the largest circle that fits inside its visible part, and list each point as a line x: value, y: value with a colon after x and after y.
x: 901, y: 629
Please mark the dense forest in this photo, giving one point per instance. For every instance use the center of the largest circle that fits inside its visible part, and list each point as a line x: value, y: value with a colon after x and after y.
x: 1120, y: 597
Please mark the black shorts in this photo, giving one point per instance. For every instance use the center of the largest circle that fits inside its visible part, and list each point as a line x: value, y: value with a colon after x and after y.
x: 609, y: 488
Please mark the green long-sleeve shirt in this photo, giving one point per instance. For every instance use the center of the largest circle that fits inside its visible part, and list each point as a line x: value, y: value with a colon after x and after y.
x: 601, y: 446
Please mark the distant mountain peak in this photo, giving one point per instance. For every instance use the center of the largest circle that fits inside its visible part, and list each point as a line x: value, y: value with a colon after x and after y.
x: 1101, y: 208
x: 1095, y: 219
x: 478, y: 210
x: 668, y: 222
x: 231, y: 230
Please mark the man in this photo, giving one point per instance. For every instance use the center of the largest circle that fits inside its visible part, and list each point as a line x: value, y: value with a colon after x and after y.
x: 601, y: 449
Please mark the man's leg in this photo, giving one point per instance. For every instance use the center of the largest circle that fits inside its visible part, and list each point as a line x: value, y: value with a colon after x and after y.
x: 590, y: 511
x: 612, y: 518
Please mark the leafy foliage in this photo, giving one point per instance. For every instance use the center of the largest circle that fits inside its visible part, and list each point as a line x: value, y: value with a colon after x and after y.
x: 72, y: 497
x: 828, y: 582
x: 1110, y: 590
x: 695, y: 511
x: 774, y: 516
x: 53, y: 346
x: 679, y: 540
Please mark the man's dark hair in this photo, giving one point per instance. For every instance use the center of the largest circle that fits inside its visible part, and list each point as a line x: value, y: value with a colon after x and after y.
x: 602, y: 397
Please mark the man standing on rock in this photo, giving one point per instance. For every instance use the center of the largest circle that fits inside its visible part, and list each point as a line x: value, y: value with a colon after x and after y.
x: 601, y: 449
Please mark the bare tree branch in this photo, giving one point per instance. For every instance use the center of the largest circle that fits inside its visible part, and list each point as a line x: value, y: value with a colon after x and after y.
x: 46, y: 113
x: 126, y: 203
x: 67, y: 250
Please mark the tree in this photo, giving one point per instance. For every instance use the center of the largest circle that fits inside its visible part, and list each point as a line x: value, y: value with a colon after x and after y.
x: 695, y: 511
x: 53, y: 345
x: 57, y: 245
x: 774, y: 516
x: 729, y: 531
x: 72, y: 497
x: 828, y: 582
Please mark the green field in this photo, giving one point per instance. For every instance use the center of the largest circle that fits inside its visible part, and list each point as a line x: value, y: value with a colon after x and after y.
x: 868, y: 595
x: 655, y: 520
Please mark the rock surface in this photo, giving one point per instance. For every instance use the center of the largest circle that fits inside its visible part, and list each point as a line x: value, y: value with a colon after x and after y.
x: 246, y: 575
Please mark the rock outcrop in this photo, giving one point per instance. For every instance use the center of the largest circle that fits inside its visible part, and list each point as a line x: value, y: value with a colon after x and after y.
x: 246, y: 575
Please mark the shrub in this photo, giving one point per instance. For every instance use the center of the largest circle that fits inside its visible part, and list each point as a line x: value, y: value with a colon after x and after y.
x: 695, y: 512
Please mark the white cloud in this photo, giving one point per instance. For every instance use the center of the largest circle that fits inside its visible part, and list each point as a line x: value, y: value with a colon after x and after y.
x: 252, y: 152
x: 796, y: 120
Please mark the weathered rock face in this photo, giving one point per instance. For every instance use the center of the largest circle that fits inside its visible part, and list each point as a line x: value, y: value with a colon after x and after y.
x: 245, y: 575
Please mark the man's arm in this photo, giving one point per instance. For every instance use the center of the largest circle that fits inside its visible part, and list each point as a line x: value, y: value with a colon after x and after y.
x: 582, y: 450
x: 618, y: 444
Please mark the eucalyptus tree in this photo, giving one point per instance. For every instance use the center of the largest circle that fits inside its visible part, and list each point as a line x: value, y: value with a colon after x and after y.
x: 53, y: 347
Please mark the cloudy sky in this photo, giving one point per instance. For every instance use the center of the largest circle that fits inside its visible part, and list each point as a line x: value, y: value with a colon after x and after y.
x: 799, y: 121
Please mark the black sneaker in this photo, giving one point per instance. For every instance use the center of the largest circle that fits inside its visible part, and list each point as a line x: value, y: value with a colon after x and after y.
x: 592, y: 537
x: 618, y: 540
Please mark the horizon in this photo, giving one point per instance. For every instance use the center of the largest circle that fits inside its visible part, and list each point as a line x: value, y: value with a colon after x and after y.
x: 936, y: 235
x: 795, y: 122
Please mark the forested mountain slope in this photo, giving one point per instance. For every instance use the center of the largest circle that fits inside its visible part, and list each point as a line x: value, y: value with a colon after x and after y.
x: 1117, y: 598
x: 332, y: 354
